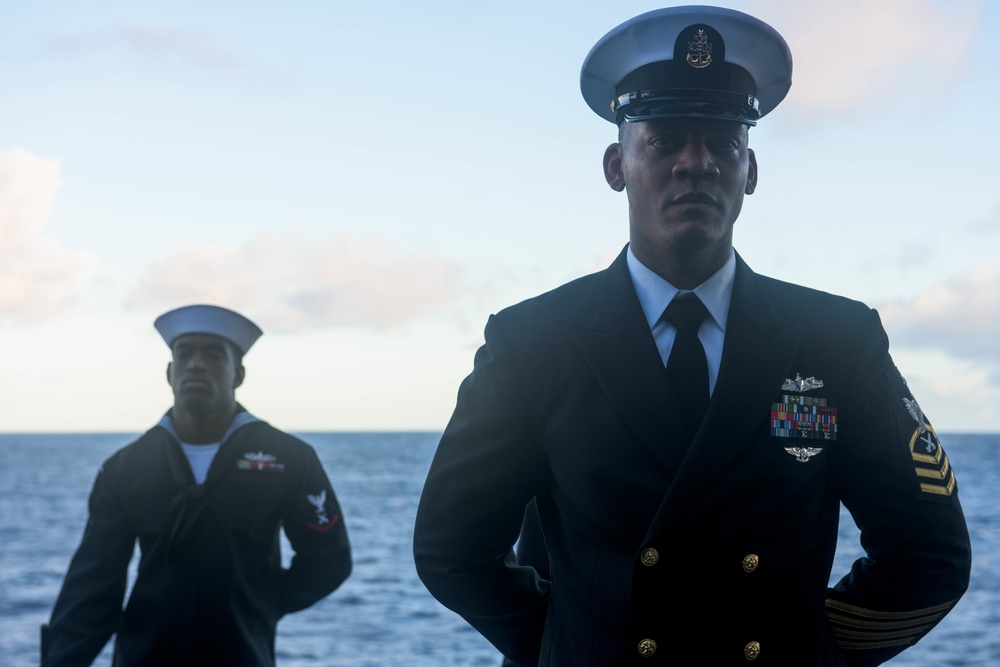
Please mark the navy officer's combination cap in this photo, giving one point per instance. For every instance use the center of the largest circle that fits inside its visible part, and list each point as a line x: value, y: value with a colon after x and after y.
x: 687, y: 62
x: 211, y: 320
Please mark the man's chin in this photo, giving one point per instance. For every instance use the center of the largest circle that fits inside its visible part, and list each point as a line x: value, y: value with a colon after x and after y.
x: 694, y: 238
x: 195, y: 405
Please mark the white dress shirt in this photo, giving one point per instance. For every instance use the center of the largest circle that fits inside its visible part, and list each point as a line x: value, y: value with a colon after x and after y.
x: 655, y: 294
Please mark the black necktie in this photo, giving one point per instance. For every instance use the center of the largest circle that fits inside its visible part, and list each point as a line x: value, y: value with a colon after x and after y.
x: 687, y: 367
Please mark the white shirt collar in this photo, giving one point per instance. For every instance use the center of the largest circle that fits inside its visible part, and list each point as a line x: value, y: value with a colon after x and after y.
x: 655, y: 293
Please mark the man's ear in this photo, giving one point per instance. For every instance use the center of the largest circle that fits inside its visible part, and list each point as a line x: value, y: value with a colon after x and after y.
x: 241, y: 373
x: 751, y: 172
x: 170, y: 372
x: 613, y: 173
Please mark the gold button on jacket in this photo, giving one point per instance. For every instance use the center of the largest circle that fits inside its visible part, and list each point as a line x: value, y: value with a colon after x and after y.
x: 647, y: 647
x: 649, y: 557
x: 751, y: 650
x: 750, y: 562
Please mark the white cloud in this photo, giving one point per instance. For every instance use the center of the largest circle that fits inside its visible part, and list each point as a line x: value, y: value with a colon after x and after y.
x: 944, y: 341
x: 960, y: 317
x: 299, y: 284
x: 853, y: 53
x: 956, y: 395
x: 38, y: 278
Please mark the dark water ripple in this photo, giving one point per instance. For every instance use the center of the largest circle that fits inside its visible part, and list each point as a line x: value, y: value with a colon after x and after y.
x: 382, y: 615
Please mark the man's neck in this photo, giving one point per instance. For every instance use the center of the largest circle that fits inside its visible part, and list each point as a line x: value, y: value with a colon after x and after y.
x: 201, y: 429
x: 686, y: 272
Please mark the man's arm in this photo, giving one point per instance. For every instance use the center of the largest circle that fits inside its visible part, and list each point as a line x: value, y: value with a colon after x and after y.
x: 897, y: 482
x: 89, y: 606
x: 486, y: 470
x: 315, y: 528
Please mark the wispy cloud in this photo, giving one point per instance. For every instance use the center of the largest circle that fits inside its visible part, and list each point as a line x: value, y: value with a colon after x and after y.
x: 987, y: 225
x: 301, y: 284
x: 194, y: 48
x: 850, y: 54
x: 960, y: 317
x: 38, y: 278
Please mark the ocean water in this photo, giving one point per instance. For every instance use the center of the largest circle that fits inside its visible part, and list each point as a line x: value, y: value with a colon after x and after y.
x: 382, y: 616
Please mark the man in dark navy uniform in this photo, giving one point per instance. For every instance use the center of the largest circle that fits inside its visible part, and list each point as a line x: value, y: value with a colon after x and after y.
x: 687, y: 427
x: 205, y: 492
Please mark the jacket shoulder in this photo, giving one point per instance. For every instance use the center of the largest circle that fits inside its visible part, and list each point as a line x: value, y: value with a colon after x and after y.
x: 808, y: 299
x: 262, y: 429
x: 823, y: 316
x: 139, y: 450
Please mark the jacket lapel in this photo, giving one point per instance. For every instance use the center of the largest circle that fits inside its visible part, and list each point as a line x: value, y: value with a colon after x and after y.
x: 756, y: 357
x: 622, y: 355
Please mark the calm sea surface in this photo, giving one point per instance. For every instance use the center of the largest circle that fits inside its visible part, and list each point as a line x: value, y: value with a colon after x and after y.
x: 382, y: 615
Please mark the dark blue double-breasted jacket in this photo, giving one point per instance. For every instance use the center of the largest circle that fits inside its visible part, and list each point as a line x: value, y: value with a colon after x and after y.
x: 714, y: 552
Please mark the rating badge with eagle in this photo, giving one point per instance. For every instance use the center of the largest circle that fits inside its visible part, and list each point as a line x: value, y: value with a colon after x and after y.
x: 930, y: 463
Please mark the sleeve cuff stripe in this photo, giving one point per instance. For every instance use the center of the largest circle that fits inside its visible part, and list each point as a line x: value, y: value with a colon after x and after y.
x: 911, y: 614
x: 861, y: 646
x: 880, y: 626
x: 844, y: 621
x: 861, y: 635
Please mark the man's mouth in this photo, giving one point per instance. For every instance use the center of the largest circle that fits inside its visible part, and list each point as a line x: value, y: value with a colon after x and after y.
x: 694, y: 198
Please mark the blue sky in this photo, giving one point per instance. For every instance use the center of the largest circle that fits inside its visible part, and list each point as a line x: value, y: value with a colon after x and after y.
x: 370, y: 181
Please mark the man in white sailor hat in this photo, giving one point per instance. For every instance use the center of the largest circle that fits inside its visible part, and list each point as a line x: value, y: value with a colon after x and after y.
x: 686, y: 427
x: 205, y: 492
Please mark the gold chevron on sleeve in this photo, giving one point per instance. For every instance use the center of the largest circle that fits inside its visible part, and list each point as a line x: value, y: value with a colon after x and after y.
x: 940, y: 489
x: 930, y: 462
x: 859, y: 628
x: 940, y: 473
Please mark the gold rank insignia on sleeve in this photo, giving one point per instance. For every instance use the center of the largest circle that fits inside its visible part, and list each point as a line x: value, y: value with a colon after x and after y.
x: 930, y: 463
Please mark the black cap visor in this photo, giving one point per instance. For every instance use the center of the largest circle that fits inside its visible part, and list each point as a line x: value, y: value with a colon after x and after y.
x: 686, y: 103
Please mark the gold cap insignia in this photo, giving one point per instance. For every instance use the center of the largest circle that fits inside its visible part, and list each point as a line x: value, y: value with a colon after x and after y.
x: 699, y: 50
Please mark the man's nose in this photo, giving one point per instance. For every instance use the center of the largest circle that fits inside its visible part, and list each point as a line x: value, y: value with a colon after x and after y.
x: 695, y: 160
x: 196, y: 360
